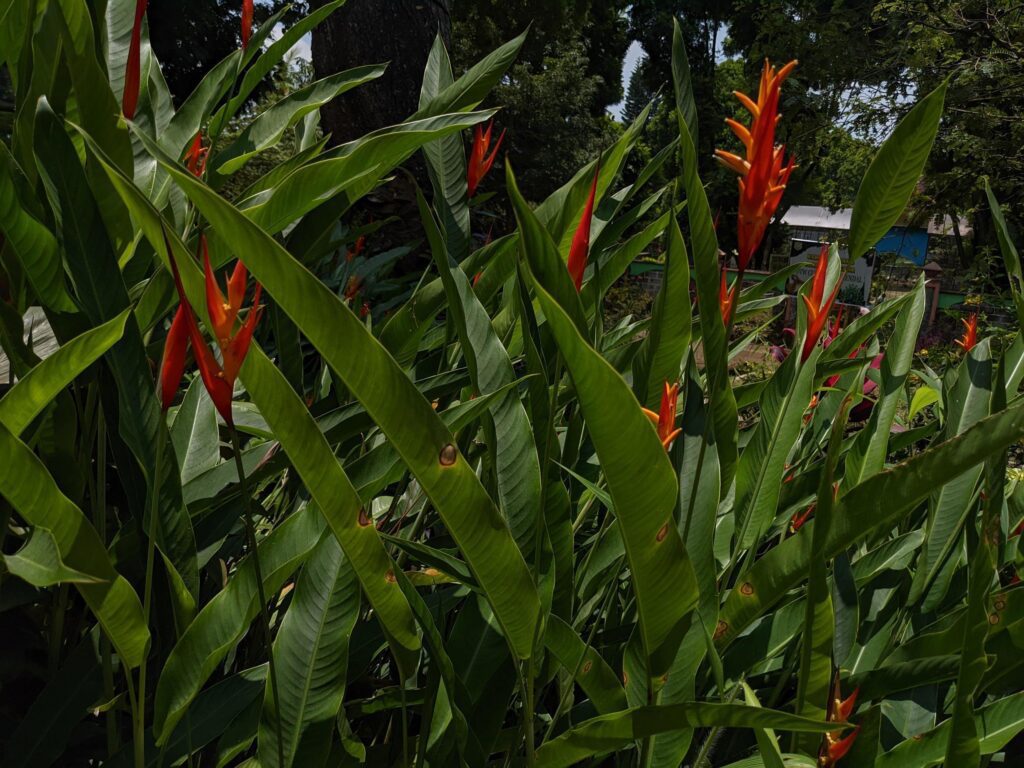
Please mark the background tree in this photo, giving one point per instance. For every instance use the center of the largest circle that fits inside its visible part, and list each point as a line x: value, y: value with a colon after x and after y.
x: 555, y: 99
x: 399, y: 32
x: 979, y: 46
x: 190, y: 36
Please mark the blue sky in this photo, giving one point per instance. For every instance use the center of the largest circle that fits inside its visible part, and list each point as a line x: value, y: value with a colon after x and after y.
x: 632, y: 56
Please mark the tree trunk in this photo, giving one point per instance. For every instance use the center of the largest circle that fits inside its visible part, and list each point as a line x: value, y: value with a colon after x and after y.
x: 372, y: 31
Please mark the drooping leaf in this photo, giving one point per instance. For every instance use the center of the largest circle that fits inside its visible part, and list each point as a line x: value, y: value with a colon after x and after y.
x: 416, y: 431
x: 222, y: 621
x: 30, y: 489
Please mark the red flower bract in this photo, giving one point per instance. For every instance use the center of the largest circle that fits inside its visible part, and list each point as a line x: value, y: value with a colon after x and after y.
x: 173, y: 364
x: 818, y: 306
x: 665, y: 420
x: 580, y: 247
x: 246, y: 23
x: 970, y: 338
x: 195, y: 156
x: 763, y: 174
x: 727, y: 298
x: 130, y: 96
x: 479, y: 161
x: 218, y: 379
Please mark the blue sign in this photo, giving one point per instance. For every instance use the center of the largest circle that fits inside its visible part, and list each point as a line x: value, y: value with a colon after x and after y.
x: 909, y: 243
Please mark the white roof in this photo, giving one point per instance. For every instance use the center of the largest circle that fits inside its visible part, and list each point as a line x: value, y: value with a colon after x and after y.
x: 816, y: 217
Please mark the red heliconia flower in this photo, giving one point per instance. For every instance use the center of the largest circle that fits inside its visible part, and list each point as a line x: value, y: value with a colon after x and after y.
x: 195, y: 156
x: 580, y: 248
x: 356, y: 249
x: 837, y: 748
x: 970, y: 337
x: 797, y: 521
x: 219, y: 379
x: 352, y: 287
x: 843, y: 708
x: 172, y: 367
x: 818, y: 306
x: 476, y: 277
x: 479, y: 161
x: 727, y: 298
x: 811, y: 406
x: 365, y: 309
x: 130, y: 96
x: 763, y: 174
x: 665, y: 420
x: 246, y: 23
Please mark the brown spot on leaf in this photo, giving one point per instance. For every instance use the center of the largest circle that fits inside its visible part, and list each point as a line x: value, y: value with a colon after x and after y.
x: 662, y: 533
x: 747, y: 588
x: 448, y: 455
x: 364, y: 519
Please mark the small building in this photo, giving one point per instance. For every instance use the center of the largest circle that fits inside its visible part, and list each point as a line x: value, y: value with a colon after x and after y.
x: 813, y: 223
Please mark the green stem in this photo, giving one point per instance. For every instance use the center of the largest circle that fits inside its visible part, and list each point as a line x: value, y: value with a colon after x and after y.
x: 528, y: 736
x: 250, y: 530
x: 405, y: 727
x: 100, y: 521
x: 147, y: 600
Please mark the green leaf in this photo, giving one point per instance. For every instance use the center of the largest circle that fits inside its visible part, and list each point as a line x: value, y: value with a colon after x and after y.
x: 272, y: 56
x: 704, y: 247
x: 923, y: 397
x: 640, y: 477
x: 219, y: 626
x: 877, y: 503
x: 868, y: 452
x: 194, y: 433
x: 32, y: 492
x: 512, y: 444
x: 267, y: 128
x: 668, y: 339
x: 996, y: 724
x: 541, y: 252
x: 685, y: 103
x: 39, y: 563
x: 394, y: 403
x: 983, y: 555
x: 767, y: 744
x: 446, y: 160
x: 762, y: 465
x: 101, y: 290
x: 894, y: 172
x: 34, y: 245
x: 472, y: 88
x: 37, y: 389
x: 814, y: 684
x: 967, y: 403
x: 311, y: 657
x: 1010, y: 255
x: 302, y: 440
x: 593, y: 674
x: 351, y: 170
x: 610, y: 733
